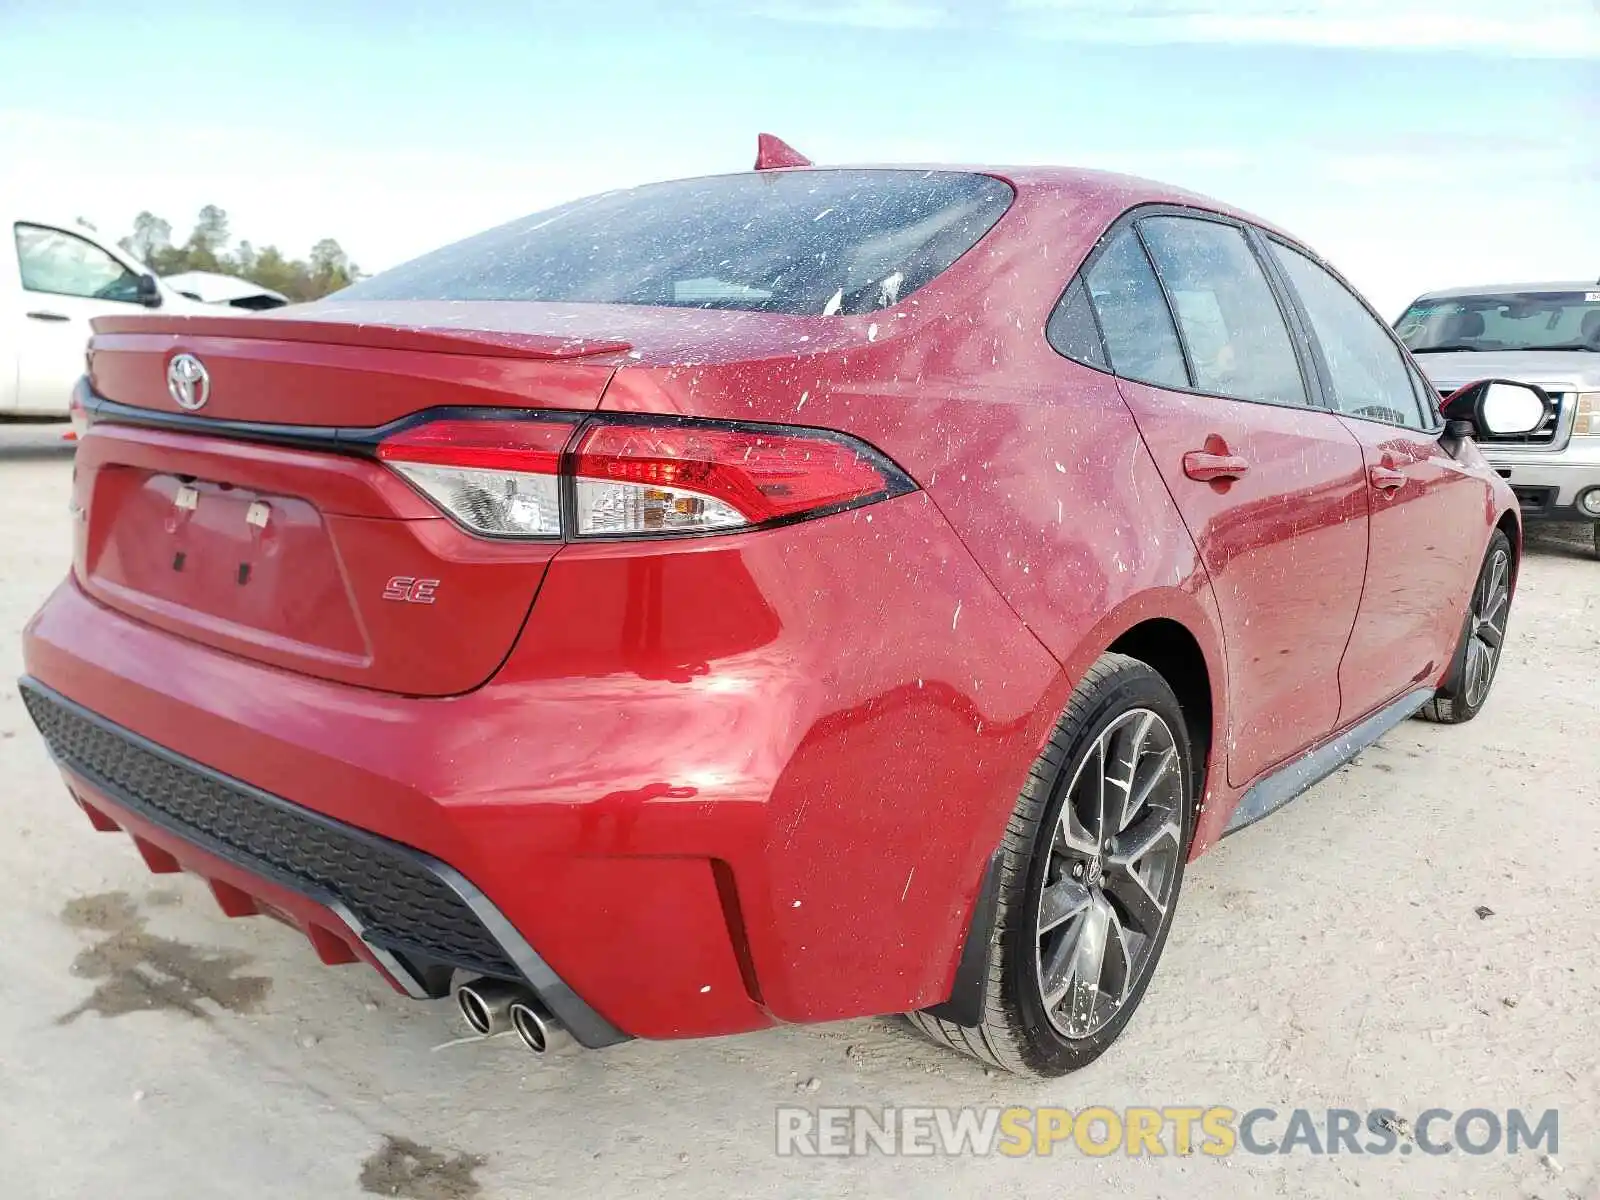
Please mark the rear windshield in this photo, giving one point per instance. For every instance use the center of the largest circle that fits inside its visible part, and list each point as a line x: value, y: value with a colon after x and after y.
x: 1504, y: 321
x: 825, y: 242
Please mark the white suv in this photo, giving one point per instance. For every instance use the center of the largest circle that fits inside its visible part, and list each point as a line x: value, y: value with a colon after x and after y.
x: 1541, y: 333
x: 54, y: 277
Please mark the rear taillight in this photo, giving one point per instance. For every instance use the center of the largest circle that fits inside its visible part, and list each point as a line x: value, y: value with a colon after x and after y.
x: 77, y: 414
x: 547, y: 478
x: 685, y: 478
x: 494, y: 476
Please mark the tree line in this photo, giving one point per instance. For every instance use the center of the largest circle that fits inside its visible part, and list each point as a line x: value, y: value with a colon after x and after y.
x: 327, y: 269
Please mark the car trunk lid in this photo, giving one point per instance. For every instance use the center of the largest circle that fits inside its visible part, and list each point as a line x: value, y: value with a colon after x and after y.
x: 262, y: 525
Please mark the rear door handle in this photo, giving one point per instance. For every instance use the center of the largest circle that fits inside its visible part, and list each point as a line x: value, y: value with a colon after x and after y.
x: 1387, y: 479
x: 41, y: 315
x: 1205, y: 466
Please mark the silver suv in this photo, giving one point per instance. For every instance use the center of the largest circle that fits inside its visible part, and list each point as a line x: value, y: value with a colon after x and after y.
x: 1542, y: 333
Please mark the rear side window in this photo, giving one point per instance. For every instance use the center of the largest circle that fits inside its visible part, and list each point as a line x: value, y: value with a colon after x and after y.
x: 821, y: 242
x: 1138, y: 329
x: 1369, y: 375
x: 1232, y: 326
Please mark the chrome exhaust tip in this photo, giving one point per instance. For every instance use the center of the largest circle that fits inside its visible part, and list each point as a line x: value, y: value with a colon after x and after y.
x: 540, y: 1032
x: 485, y: 1004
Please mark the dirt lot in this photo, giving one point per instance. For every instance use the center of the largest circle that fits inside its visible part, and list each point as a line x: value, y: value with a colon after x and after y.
x: 1329, y: 957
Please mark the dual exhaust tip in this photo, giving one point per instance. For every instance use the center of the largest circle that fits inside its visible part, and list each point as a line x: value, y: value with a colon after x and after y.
x: 491, y: 1006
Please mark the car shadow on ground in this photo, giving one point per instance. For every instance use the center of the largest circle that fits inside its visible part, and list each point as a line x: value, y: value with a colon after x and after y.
x: 1565, y: 539
x: 24, y: 443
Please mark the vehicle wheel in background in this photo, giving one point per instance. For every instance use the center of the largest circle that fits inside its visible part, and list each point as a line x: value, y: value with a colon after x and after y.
x: 1091, y: 866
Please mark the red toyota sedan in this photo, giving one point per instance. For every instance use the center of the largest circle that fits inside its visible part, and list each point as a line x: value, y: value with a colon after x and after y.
x: 777, y: 597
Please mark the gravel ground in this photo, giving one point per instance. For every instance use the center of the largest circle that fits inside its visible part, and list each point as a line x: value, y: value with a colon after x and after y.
x: 1332, y: 956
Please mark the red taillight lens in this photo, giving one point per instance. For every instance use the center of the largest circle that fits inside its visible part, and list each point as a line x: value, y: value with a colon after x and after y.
x: 686, y: 478
x: 504, y: 476
x: 489, y: 445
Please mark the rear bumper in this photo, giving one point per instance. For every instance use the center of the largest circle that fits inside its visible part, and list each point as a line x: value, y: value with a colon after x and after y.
x: 413, y: 917
x: 681, y: 797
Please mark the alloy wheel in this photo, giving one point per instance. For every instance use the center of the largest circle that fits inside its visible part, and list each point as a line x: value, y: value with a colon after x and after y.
x: 1491, y: 604
x: 1109, y: 879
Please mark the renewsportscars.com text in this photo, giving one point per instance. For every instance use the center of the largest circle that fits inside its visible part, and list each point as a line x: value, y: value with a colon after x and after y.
x: 1156, y: 1132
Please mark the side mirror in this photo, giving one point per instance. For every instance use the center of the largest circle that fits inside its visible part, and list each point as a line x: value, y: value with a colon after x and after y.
x: 1499, y: 407
x: 148, y: 292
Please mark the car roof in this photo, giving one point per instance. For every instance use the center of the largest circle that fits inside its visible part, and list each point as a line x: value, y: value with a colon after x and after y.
x: 1109, y: 188
x: 1498, y: 289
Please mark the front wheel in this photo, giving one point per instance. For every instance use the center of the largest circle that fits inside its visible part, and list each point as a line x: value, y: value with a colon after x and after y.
x: 1477, y: 657
x: 1091, y: 866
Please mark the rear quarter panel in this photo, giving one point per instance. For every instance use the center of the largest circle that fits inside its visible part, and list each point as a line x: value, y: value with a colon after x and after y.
x: 1033, y: 460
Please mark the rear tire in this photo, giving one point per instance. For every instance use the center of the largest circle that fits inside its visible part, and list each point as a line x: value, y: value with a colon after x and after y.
x: 1477, y: 657
x: 1091, y: 866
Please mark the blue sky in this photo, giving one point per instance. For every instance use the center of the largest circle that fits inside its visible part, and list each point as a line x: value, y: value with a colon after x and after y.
x: 1417, y: 143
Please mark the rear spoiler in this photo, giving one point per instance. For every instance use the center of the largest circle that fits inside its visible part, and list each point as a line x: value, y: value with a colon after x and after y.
x: 440, y: 340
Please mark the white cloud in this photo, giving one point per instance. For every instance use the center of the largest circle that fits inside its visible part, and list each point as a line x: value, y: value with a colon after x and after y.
x: 1524, y: 28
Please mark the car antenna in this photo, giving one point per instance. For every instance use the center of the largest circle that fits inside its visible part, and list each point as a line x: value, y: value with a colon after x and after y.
x: 773, y: 152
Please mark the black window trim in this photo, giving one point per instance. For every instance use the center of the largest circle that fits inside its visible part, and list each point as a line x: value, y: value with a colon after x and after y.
x: 1407, y: 363
x: 1172, y: 309
x: 1427, y: 394
x: 1300, y: 320
x: 1318, y: 399
x: 18, y: 225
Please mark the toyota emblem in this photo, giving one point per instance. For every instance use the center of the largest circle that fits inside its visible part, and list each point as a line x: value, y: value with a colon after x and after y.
x: 189, y: 382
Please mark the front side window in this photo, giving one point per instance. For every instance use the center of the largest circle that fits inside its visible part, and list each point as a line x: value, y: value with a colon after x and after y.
x: 1367, y: 369
x: 1138, y: 330
x: 822, y: 242
x: 1232, y: 327
x: 64, y: 265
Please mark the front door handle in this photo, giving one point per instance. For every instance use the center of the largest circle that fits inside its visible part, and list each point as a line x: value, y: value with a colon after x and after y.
x: 1206, y: 467
x: 41, y: 315
x: 1387, y: 479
